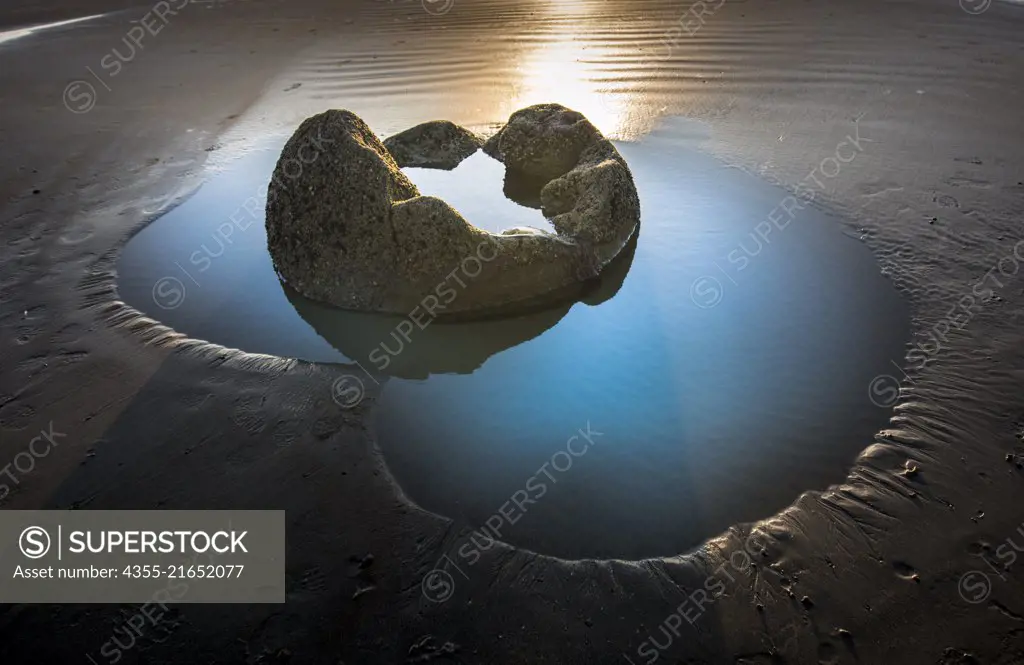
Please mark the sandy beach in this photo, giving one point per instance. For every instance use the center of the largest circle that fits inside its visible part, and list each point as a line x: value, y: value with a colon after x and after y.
x: 911, y: 559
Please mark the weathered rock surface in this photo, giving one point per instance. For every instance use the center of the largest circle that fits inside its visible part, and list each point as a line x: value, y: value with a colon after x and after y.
x: 543, y: 140
x: 439, y: 144
x: 349, y: 229
x: 329, y: 211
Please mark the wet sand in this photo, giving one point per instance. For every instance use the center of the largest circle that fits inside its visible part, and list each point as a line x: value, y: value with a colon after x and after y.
x: 883, y: 568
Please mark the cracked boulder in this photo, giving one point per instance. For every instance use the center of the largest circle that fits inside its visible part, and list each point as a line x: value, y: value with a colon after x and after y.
x: 346, y: 227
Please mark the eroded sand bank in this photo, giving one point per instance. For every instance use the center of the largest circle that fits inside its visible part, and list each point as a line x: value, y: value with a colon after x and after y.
x: 930, y: 89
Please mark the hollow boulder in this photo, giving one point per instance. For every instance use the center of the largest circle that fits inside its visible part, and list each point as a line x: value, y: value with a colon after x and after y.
x: 346, y: 227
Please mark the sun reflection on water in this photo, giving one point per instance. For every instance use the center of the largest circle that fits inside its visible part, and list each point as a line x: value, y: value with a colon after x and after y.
x: 571, y: 72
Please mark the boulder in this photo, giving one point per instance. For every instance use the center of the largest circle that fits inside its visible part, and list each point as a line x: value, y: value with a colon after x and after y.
x: 439, y: 144
x: 346, y: 227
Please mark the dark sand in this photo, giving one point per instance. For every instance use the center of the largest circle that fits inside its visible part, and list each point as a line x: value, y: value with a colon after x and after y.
x: 155, y: 420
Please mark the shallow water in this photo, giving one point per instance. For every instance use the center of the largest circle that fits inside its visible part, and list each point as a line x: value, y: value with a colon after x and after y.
x: 493, y: 212
x: 723, y: 360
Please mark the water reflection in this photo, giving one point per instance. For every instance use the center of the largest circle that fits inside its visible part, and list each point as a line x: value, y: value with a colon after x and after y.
x: 567, y: 69
x: 567, y: 60
x: 474, y: 66
x: 443, y: 348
